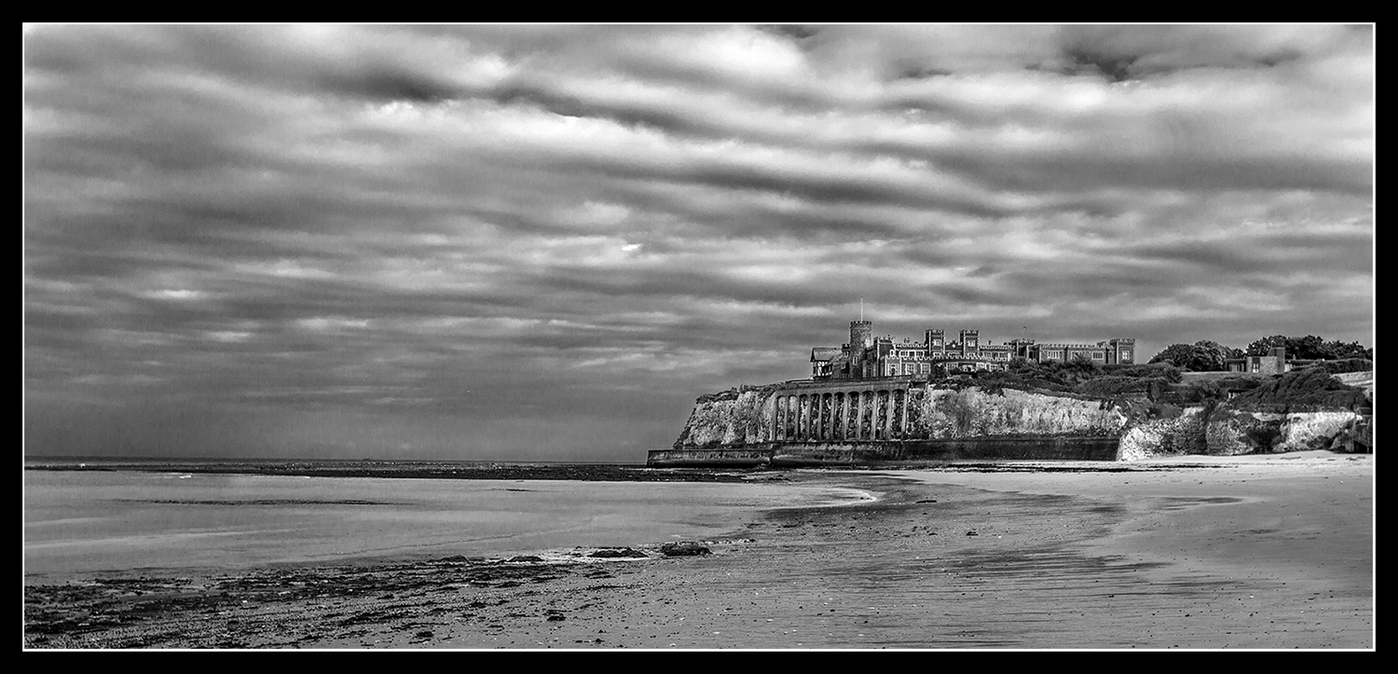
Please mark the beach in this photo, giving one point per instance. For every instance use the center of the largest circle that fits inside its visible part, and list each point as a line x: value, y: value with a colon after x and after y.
x: 1193, y: 552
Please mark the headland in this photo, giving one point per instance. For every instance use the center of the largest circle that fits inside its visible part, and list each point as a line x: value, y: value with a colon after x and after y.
x: 882, y: 402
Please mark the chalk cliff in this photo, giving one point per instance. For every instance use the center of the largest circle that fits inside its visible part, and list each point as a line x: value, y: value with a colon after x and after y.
x: 971, y: 413
x: 732, y: 418
x: 741, y: 422
x: 1228, y: 432
x: 743, y: 417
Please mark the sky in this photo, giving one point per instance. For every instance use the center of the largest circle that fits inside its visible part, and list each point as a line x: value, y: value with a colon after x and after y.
x: 543, y: 242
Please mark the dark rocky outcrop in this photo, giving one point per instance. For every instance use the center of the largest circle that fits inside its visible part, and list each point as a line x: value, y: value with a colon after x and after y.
x: 615, y: 553
x: 684, y: 549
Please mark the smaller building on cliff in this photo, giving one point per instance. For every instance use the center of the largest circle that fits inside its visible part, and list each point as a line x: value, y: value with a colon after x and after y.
x: 1274, y: 362
x: 866, y: 357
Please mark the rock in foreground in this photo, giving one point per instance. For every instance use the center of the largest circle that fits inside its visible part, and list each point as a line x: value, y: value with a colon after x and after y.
x: 683, y: 549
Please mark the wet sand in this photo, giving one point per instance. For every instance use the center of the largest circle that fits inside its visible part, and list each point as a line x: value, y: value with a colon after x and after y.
x: 1271, y: 552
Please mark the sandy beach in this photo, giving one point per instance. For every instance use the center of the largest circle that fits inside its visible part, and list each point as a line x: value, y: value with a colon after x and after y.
x: 1256, y: 552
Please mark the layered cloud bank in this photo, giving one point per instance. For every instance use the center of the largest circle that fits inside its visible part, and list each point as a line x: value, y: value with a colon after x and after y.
x: 540, y: 242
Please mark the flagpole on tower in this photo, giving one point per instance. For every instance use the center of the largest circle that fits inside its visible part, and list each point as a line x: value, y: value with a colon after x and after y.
x: 861, y: 309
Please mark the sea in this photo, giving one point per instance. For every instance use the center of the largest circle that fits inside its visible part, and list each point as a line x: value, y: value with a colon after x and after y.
x: 90, y: 518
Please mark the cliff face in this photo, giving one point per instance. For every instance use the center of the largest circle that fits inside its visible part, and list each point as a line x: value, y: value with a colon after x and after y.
x: 971, y: 413
x: 733, y: 418
x: 1229, y: 432
x: 1175, y: 432
x: 742, y: 417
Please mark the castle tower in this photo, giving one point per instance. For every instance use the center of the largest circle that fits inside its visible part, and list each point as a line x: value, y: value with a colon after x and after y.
x: 1122, y: 350
x: 934, y: 339
x: 860, y: 336
x: 970, y: 341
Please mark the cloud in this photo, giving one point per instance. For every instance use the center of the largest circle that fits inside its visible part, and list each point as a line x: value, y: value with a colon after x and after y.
x: 296, y: 234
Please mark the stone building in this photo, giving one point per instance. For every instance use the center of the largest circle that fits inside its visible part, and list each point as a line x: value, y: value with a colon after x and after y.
x: 866, y: 357
x: 1274, y: 362
x: 1111, y: 352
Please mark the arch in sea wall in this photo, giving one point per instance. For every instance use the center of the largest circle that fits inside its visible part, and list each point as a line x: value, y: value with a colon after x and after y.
x: 865, y: 410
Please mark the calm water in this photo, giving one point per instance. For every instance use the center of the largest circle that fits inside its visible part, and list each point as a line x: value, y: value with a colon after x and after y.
x: 78, y: 521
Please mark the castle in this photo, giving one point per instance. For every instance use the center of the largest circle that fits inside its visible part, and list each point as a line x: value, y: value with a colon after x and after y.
x: 866, y: 357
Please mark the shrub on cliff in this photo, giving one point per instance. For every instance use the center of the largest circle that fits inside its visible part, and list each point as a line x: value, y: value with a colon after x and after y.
x: 1023, y: 380
x: 1198, y: 392
x: 1311, y: 387
x: 1166, y: 370
x: 1082, y: 377
x: 1239, y: 383
x: 1112, y: 385
x: 1206, y: 390
x: 1076, y: 376
x: 1344, y: 365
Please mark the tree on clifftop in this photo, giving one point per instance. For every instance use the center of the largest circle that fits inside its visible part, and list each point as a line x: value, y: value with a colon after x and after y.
x: 1201, y: 356
x: 1310, y: 347
x: 1296, y: 347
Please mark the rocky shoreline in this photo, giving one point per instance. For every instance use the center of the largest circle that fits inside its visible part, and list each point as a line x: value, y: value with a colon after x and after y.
x: 287, y: 607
